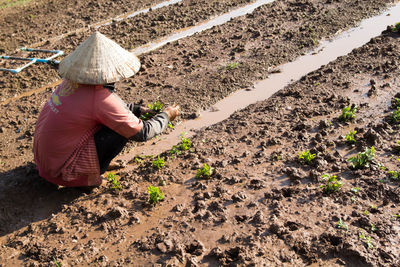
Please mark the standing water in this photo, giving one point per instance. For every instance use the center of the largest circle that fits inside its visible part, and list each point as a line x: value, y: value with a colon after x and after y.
x: 201, y: 27
x: 325, y: 53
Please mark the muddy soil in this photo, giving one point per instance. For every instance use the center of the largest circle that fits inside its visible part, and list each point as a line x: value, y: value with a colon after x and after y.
x: 37, y: 21
x: 130, y: 33
x: 262, y: 206
x: 257, y: 43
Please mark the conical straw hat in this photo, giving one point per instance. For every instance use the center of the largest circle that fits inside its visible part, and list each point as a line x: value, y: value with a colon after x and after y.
x: 98, y: 60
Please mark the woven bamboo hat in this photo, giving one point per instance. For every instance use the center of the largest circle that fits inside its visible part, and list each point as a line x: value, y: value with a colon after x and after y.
x: 98, y: 60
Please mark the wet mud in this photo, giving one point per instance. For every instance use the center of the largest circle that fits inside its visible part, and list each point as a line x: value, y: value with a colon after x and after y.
x: 262, y: 205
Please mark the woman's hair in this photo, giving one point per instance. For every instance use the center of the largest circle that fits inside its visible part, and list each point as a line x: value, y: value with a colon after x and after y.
x: 109, y: 86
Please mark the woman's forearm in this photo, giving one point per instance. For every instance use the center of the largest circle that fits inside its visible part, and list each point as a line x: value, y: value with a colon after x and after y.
x: 152, y: 127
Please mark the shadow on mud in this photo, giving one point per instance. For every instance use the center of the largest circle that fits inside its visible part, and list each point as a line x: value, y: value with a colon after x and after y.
x: 26, y: 198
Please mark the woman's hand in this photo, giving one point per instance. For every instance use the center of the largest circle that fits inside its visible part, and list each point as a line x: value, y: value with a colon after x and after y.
x: 172, y: 111
x: 144, y: 110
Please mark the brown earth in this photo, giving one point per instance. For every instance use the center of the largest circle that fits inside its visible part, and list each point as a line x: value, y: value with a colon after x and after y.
x: 262, y: 206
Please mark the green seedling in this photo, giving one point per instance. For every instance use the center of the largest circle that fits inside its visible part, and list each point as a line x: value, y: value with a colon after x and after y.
x: 331, y: 184
x: 56, y: 262
x: 154, y: 195
x: 155, y: 108
x: 170, y: 125
x: 396, y: 216
x: 139, y: 158
x: 355, y: 190
x: 10, y: 3
x: 232, y: 65
x: 396, y: 27
x: 362, y: 159
x: 365, y: 239
x: 205, y: 172
x: 396, y: 115
x: 184, y: 145
x: 113, y: 181
x: 396, y: 102
x: 341, y: 225
x: 276, y: 156
x: 366, y: 212
x: 397, y: 147
x: 373, y: 228
x: 348, y: 113
x: 350, y: 137
x: 395, y: 175
x: 306, y: 157
x: 159, y: 163
x: 381, y: 166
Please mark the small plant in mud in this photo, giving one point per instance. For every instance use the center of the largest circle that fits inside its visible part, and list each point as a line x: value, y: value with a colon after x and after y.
x: 395, y: 175
x: 348, y: 113
x: 156, y: 108
x: 366, y: 239
x: 57, y: 264
x: 155, y: 195
x: 232, y: 65
x: 205, y: 172
x: 396, y: 147
x: 397, y: 216
x: 395, y: 115
x: 331, y: 184
x: 184, y: 145
x: 139, y: 158
x: 350, y: 137
x: 276, y: 156
x: 341, y: 224
x: 362, y: 159
x: 396, y: 27
x: 396, y: 103
x: 158, y: 163
x: 355, y: 190
x: 113, y: 181
x: 306, y: 157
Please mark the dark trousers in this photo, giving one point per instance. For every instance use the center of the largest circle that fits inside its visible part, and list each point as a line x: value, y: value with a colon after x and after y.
x: 108, y: 145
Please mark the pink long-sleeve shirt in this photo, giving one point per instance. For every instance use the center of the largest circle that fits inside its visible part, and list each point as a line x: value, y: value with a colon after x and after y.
x: 64, y: 148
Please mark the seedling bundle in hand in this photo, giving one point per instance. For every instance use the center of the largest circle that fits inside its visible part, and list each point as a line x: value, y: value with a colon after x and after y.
x: 362, y: 159
x: 154, y: 195
x: 205, y: 172
x: 155, y: 108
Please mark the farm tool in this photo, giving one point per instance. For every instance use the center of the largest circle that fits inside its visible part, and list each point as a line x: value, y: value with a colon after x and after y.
x: 48, y: 60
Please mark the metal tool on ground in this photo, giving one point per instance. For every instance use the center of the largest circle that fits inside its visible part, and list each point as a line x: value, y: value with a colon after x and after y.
x: 32, y: 60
